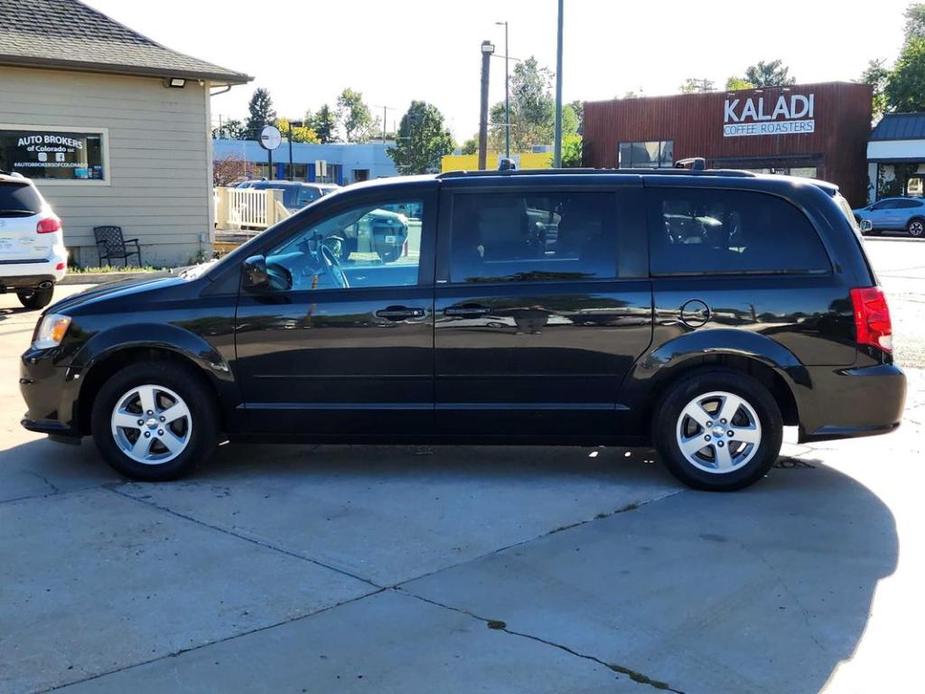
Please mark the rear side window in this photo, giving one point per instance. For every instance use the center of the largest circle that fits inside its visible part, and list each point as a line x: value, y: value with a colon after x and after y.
x: 696, y: 231
x: 18, y: 199
x: 526, y: 237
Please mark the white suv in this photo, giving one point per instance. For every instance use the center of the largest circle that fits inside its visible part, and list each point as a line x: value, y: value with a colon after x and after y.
x: 32, y: 253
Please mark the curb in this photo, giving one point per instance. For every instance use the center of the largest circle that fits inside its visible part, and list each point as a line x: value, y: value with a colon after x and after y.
x: 101, y: 277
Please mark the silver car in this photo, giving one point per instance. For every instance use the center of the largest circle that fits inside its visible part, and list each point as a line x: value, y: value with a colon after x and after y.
x: 893, y: 214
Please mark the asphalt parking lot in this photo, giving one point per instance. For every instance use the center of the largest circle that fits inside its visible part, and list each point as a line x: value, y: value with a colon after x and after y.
x: 402, y: 569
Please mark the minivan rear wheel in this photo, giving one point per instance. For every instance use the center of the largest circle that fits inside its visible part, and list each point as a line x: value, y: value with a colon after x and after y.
x: 154, y: 421
x: 34, y: 299
x: 916, y: 228
x: 718, y: 430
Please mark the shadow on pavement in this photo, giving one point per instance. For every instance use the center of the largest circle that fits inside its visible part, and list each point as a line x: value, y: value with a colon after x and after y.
x: 762, y: 590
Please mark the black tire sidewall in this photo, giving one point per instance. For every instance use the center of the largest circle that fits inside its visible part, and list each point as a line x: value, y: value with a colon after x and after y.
x: 743, y: 385
x: 36, y: 298
x: 917, y: 220
x: 188, y: 385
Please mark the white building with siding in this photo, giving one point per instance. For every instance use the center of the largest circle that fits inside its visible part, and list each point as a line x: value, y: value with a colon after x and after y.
x: 112, y: 127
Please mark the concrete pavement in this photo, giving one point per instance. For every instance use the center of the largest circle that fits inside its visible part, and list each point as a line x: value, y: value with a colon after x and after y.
x: 399, y: 569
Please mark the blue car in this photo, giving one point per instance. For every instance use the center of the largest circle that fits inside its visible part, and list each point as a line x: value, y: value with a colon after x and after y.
x: 893, y: 214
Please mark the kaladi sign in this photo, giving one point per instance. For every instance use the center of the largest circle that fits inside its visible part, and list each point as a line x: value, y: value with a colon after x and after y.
x: 789, y: 114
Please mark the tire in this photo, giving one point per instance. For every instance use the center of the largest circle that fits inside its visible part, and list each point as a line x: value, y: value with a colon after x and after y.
x: 34, y: 299
x: 724, y: 463
x: 916, y: 227
x: 174, y: 446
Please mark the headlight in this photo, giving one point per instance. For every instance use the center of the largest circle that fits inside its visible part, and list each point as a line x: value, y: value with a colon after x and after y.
x: 51, y: 331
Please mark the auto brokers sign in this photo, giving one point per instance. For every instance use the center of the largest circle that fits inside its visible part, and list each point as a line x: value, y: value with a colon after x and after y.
x: 788, y: 114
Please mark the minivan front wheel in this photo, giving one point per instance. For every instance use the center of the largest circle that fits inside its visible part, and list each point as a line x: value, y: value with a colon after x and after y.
x: 154, y: 421
x: 718, y: 430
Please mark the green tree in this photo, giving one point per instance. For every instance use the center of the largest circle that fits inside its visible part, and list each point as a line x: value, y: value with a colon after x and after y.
x: 355, y: 116
x: 532, y: 109
x: 232, y: 129
x: 579, y: 108
x: 569, y: 121
x: 769, y: 74
x: 697, y: 85
x: 905, y: 91
x: 422, y: 140
x: 571, y: 151
x: 877, y: 75
x: 261, y: 112
x: 300, y: 133
x: 324, y: 123
x: 471, y: 146
x: 915, y: 21
x: 734, y: 83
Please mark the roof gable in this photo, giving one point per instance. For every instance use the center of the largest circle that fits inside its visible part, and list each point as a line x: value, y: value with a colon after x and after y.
x: 70, y: 35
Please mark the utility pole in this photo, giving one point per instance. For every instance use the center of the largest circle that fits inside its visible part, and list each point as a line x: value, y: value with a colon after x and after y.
x: 385, y: 115
x: 487, y: 49
x: 557, y: 145
x: 507, y: 93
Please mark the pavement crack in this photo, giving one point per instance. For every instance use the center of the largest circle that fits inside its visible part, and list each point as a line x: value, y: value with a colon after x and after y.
x: 232, y: 637
x: 260, y: 543
x: 51, y: 485
x: 499, y: 625
x: 600, y: 516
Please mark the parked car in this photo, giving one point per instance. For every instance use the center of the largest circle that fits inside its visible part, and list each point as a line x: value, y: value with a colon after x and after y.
x: 32, y: 253
x: 696, y: 311
x: 296, y: 194
x: 893, y: 214
x: 383, y: 233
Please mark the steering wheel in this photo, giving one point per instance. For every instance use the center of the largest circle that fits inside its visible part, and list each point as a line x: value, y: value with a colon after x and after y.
x: 334, y: 266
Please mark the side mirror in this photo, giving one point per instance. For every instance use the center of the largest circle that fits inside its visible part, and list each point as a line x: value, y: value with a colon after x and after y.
x: 866, y: 225
x: 255, y: 273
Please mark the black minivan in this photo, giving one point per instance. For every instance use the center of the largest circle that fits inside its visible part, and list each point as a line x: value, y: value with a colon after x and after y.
x: 696, y: 311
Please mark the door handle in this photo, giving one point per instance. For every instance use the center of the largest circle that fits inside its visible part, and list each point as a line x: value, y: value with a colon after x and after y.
x: 466, y: 311
x: 397, y: 313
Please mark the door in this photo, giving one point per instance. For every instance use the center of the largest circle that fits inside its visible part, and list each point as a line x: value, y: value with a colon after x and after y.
x: 542, y: 305
x: 348, y: 347
x: 886, y: 215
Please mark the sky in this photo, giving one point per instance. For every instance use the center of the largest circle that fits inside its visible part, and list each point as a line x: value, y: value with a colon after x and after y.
x: 394, y: 51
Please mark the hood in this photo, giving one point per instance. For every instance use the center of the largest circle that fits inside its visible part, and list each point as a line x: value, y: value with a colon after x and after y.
x: 117, y: 288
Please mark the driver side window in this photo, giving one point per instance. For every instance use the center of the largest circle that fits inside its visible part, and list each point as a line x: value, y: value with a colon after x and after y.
x: 366, y: 246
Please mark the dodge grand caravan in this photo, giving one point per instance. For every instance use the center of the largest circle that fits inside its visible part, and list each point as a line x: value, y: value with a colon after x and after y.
x: 696, y: 311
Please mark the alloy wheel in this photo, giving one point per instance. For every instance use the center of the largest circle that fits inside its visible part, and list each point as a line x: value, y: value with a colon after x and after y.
x: 151, y: 424
x: 718, y: 432
x: 917, y: 228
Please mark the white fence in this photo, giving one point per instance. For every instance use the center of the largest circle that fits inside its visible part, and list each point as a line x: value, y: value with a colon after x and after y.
x: 246, y: 208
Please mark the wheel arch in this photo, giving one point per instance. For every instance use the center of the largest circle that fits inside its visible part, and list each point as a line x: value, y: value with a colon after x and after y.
x: 108, y: 352
x: 767, y: 361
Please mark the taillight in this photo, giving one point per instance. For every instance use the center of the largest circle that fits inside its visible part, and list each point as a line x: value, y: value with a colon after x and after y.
x: 48, y: 225
x: 872, y: 318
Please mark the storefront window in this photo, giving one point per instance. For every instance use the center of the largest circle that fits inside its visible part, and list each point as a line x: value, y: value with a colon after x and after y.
x: 53, y: 155
x: 647, y: 155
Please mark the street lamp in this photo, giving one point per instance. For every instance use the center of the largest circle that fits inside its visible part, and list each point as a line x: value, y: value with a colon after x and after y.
x: 487, y: 49
x: 507, y: 93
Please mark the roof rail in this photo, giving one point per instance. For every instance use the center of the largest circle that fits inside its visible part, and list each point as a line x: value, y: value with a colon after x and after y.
x: 740, y: 173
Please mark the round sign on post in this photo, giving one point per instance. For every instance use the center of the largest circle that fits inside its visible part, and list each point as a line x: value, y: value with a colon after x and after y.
x: 270, y: 137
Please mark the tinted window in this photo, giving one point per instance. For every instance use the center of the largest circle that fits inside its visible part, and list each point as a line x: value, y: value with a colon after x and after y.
x: 18, y: 199
x: 706, y: 231
x: 369, y: 245
x: 521, y: 237
x: 909, y: 204
x: 887, y: 205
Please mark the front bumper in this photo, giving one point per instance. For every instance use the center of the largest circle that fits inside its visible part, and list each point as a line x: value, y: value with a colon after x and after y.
x: 50, y: 392
x: 847, y: 403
